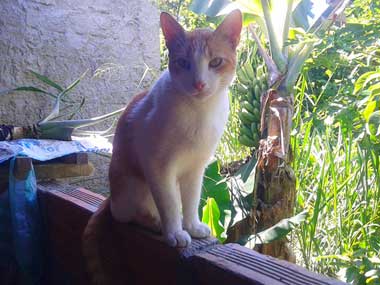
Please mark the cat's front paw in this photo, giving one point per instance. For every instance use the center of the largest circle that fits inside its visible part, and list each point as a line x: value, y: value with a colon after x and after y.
x: 198, y: 230
x: 178, y: 239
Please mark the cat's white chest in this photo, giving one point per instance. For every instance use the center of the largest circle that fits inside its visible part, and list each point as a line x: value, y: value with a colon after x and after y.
x: 205, y: 128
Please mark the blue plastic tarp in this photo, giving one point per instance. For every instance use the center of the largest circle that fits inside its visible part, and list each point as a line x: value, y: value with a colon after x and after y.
x: 21, y: 228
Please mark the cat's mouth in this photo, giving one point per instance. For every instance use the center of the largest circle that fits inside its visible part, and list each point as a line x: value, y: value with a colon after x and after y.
x: 201, y: 95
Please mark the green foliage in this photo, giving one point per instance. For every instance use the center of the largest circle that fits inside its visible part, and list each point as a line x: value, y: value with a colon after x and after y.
x: 357, y: 268
x: 337, y: 150
x: 279, y: 230
x: 211, y: 217
x: 335, y: 143
x: 373, y: 125
x: 250, y: 85
x: 338, y: 170
x: 52, y: 127
x: 275, y: 19
x: 215, y: 187
x: 369, y: 84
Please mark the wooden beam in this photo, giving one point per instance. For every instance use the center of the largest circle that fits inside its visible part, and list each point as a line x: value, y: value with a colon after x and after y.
x: 146, y: 259
x: 73, y: 165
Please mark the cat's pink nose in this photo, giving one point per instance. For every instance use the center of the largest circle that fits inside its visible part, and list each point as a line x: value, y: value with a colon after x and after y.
x: 199, y: 85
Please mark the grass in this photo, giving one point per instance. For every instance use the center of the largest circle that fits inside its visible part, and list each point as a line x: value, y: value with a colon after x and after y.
x: 338, y: 180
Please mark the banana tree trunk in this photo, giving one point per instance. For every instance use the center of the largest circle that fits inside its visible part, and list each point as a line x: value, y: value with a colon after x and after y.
x: 275, y: 196
x: 274, y: 192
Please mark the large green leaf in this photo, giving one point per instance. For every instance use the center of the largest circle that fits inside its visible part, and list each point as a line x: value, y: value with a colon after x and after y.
x: 247, y: 174
x: 247, y: 169
x: 211, y: 217
x: 279, y: 12
x: 279, y: 230
x: 215, y: 186
x: 296, y: 62
x: 241, y: 187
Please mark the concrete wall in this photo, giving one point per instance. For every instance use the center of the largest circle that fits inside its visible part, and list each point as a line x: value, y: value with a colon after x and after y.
x: 63, y: 38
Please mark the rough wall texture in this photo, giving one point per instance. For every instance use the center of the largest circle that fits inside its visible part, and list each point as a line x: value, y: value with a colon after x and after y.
x: 63, y: 38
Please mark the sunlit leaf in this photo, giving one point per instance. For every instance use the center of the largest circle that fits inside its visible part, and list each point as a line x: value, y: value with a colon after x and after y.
x: 374, y: 89
x: 295, y: 32
x: 215, y: 186
x: 279, y: 14
x: 211, y: 217
x: 363, y: 80
x: 369, y: 109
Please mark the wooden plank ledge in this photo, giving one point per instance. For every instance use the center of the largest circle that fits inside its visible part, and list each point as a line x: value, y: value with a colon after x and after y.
x: 146, y: 259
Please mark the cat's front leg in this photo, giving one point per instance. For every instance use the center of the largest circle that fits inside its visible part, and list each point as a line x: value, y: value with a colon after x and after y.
x: 190, y: 186
x: 166, y: 197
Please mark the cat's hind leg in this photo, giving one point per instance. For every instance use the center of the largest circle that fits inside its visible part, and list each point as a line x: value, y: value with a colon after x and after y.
x: 133, y: 202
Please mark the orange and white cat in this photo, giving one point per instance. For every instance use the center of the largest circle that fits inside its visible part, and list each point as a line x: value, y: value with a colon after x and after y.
x: 166, y: 136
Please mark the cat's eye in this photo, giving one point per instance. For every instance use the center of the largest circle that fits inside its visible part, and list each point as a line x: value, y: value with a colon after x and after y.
x: 183, y: 63
x: 216, y: 62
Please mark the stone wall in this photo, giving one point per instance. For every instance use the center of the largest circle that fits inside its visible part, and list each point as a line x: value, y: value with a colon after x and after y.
x: 63, y: 38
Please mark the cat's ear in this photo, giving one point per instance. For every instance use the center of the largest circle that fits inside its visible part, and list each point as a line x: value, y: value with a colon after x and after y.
x: 230, y: 28
x: 171, y: 29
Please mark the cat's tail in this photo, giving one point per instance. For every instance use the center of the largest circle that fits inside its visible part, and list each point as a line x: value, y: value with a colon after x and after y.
x: 99, y: 249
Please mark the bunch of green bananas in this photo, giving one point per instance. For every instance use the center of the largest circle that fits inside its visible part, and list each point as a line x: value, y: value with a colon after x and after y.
x: 251, y: 83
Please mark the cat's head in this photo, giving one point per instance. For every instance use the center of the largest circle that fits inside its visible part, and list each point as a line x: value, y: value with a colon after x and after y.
x: 202, y: 62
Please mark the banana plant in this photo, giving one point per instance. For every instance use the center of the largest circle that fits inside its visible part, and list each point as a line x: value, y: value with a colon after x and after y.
x: 290, y: 29
x: 248, y: 91
x: 53, y: 126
